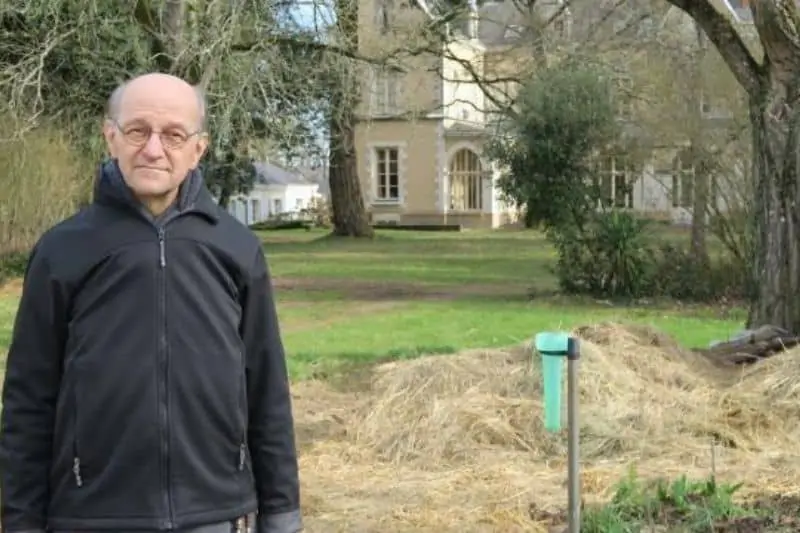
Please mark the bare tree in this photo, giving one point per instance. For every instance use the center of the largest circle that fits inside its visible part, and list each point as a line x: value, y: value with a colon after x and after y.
x: 770, y: 82
x: 60, y: 60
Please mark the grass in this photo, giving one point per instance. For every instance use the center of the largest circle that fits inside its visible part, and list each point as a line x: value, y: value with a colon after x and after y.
x: 686, y: 506
x: 446, y: 327
x: 346, y: 301
x: 416, y: 257
x: 512, y: 262
x: 8, y: 307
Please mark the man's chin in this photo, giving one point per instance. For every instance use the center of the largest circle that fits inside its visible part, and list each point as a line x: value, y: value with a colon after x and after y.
x: 150, y: 189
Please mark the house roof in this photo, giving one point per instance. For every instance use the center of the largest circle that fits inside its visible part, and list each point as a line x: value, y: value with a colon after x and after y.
x: 740, y: 9
x: 318, y: 174
x: 272, y: 174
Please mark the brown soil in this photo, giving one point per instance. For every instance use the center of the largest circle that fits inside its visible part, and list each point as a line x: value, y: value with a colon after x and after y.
x: 11, y: 288
x: 395, y: 291
x: 345, y: 312
x: 367, y: 290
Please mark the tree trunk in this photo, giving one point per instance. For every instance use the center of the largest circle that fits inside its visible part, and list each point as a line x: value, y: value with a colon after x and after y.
x: 347, y: 201
x: 775, y: 118
x: 174, y: 12
x: 697, y: 139
x: 224, y: 197
x: 700, y: 209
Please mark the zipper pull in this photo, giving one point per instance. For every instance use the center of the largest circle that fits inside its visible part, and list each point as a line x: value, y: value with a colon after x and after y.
x: 242, y: 456
x: 162, y: 256
x: 76, y: 469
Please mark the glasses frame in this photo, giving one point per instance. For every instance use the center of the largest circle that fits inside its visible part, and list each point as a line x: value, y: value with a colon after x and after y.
x: 168, y: 144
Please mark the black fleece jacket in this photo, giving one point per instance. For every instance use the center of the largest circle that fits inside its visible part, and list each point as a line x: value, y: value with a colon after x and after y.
x: 146, y: 383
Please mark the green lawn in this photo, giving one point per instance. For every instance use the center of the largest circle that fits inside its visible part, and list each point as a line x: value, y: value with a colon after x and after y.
x: 514, y: 260
x: 419, y: 257
x: 345, y: 301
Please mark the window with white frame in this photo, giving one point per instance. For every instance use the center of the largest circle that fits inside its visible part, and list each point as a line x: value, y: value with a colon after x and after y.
x: 623, y: 97
x: 387, y: 174
x: 385, y: 92
x: 683, y: 176
x: 615, y: 179
x: 255, y: 208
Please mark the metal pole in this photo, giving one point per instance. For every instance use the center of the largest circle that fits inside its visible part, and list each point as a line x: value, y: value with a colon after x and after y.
x: 573, y: 430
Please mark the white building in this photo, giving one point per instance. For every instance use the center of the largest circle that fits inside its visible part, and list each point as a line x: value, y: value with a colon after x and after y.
x: 276, y: 191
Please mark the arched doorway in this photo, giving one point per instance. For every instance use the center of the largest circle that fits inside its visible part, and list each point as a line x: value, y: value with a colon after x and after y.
x: 466, y: 187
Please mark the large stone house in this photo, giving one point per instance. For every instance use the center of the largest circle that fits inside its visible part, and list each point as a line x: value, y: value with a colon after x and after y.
x: 421, y: 132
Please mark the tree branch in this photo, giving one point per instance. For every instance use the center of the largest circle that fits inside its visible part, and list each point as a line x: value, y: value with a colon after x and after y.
x: 778, y: 26
x: 729, y: 43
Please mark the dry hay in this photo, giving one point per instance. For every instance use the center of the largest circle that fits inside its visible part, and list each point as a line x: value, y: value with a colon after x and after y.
x: 456, y: 443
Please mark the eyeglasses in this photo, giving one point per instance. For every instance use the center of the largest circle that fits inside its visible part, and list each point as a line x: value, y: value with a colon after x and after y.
x: 138, y: 135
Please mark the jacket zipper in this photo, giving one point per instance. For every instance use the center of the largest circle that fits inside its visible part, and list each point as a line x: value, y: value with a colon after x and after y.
x: 164, y: 375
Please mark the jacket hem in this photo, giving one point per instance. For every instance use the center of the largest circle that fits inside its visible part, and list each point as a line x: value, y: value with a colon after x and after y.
x: 182, y: 520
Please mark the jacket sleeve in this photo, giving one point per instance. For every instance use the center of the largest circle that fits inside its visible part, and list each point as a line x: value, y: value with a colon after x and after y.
x: 30, y: 392
x: 271, y: 438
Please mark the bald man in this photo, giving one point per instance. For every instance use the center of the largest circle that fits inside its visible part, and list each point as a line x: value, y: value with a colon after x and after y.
x: 146, y: 385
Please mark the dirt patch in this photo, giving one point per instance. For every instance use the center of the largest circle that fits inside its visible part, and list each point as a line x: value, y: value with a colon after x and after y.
x: 456, y: 443
x: 11, y: 288
x: 346, y: 312
x: 398, y: 291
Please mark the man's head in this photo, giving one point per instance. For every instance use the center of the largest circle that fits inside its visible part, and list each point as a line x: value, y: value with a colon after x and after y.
x: 155, y: 129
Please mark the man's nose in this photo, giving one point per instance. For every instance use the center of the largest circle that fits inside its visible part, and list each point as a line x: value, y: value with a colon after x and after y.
x: 153, y: 147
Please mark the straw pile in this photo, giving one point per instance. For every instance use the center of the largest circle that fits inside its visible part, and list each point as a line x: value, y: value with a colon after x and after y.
x: 456, y: 443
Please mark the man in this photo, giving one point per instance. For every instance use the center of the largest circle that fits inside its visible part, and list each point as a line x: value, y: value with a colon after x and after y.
x: 146, y: 384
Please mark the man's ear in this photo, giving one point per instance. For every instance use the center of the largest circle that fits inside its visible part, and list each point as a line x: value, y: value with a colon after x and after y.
x: 201, y: 147
x: 109, y: 134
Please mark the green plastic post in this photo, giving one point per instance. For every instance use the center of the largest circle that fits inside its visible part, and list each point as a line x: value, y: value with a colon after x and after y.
x: 553, y: 347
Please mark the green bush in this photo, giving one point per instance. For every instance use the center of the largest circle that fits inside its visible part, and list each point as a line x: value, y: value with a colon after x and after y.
x: 12, y: 265
x: 680, y: 275
x: 609, y: 258
x: 615, y: 256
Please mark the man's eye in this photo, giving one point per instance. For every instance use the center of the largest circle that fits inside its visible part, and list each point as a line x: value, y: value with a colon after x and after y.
x: 175, y: 136
x: 136, y: 132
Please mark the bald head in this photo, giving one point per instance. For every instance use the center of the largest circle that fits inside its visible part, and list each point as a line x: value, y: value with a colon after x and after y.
x: 157, y: 84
